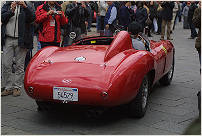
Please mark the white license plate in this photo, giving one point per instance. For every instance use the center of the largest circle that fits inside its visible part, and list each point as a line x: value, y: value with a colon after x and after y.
x: 65, y: 93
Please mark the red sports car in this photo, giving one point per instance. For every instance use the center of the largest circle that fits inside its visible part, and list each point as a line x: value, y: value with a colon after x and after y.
x: 100, y: 71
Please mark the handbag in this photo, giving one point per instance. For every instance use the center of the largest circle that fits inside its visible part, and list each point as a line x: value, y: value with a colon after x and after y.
x: 148, y: 21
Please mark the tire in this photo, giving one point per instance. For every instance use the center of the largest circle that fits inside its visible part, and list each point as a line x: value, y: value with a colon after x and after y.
x: 44, y: 106
x: 167, y: 78
x: 137, y: 108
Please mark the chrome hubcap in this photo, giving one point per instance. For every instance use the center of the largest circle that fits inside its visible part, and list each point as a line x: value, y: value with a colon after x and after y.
x: 170, y: 73
x: 144, y: 94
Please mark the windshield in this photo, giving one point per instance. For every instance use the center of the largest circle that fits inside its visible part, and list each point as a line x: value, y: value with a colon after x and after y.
x: 95, y: 41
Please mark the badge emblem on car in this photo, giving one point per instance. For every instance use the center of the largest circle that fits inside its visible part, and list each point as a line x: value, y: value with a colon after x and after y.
x: 81, y: 58
x: 66, y: 81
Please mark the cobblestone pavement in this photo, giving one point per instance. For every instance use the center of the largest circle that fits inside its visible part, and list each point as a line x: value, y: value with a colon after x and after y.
x: 171, y: 109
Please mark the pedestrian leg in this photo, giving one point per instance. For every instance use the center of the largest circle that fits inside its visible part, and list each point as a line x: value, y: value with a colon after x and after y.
x: 175, y: 21
x: 163, y: 25
x: 193, y: 30
x: 98, y: 23
x: 28, y: 58
x: 19, y: 71
x: 7, y: 61
x: 168, y: 30
x: 155, y: 25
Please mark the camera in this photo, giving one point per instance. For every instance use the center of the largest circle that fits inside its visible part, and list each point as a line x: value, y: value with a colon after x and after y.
x: 55, y: 12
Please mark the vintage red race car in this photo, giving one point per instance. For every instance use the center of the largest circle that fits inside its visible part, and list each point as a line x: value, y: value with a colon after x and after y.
x: 100, y: 71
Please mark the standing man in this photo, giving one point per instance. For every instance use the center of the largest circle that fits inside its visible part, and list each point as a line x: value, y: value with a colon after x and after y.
x: 124, y: 15
x: 185, y: 15
x: 178, y: 14
x: 167, y: 15
x: 159, y: 17
x: 77, y: 14
x: 90, y: 12
x: 141, y: 15
x: 190, y: 17
x: 197, y: 22
x: 17, y: 18
x: 110, y: 17
x: 50, y: 18
x: 102, y: 12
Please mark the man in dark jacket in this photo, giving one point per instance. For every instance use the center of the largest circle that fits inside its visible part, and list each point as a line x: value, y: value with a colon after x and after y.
x: 190, y: 17
x: 141, y: 15
x: 124, y: 15
x: 77, y: 14
x: 167, y: 15
x: 17, y: 33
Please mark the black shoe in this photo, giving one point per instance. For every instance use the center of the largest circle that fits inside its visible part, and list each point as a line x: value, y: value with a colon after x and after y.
x: 158, y: 33
x: 169, y: 38
x: 2, y: 89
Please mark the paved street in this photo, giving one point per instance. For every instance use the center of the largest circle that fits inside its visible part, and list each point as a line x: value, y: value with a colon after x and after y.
x: 171, y: 109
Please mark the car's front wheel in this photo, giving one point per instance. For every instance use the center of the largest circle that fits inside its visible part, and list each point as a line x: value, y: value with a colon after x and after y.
x: 138, y: 106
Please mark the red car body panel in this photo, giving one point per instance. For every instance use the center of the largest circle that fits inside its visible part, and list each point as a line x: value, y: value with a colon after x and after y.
x: 117, y: 69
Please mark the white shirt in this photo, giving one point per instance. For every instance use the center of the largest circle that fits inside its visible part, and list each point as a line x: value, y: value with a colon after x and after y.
x: 12, y: 25
x: 112, y: 15
x: 138, y: 44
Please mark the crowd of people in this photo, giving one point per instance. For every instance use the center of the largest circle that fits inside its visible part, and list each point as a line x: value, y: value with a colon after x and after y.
x: 72, y: 20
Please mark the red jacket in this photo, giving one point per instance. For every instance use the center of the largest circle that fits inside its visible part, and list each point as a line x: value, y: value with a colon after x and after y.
x: 50, y: 28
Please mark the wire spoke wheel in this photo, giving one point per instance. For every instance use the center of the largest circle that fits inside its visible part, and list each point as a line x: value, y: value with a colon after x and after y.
x: 138, y: 106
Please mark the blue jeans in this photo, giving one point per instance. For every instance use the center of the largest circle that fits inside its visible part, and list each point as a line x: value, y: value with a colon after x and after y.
x: 98, y: 21
x: 90, y: 20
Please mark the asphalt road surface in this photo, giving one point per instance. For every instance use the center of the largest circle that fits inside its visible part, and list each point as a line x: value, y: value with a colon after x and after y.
x: 171, y: 109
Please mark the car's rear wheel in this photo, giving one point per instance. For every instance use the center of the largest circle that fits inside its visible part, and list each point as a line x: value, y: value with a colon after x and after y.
x: 167, y: 78
x: 138, y: 106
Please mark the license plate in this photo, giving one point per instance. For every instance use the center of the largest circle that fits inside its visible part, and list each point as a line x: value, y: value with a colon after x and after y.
x: 65, y: 93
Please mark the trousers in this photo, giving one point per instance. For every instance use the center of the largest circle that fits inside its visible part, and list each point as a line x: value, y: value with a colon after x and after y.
x: 13, y: 59
x: 163, y: 28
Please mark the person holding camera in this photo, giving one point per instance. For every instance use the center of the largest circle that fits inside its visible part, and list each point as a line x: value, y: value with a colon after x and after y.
x: 17, y: 19
x: 78, y: 16
x: 50, y: 18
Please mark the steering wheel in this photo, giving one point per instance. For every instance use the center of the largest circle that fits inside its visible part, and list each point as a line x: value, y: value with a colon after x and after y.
x: 146, y: 42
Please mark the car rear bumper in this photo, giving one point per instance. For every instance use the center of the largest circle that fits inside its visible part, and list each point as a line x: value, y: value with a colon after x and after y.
x: 86, y: 96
